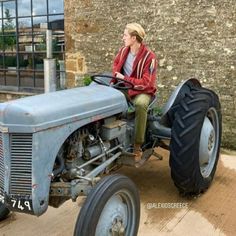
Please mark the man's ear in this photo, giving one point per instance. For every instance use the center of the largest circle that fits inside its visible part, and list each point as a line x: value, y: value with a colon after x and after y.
x: 134, y: 38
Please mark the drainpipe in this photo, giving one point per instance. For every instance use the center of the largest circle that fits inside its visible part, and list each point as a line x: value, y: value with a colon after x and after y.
x: 49, y: 66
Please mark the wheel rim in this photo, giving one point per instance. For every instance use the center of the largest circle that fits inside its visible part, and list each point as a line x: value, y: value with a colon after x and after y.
x: 117, y: 217
x: 209, y: 142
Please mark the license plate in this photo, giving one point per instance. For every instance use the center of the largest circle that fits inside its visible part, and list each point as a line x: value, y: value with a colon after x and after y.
x: 20, y: 204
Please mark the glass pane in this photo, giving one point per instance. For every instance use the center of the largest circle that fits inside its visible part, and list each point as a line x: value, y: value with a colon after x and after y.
x: 10, y: 65
x: 26, y: 78
x: 40, y: 24
x: 56, y: 6
x: 24, y: 25
x: 2, y: 44
x: 38, y: 60
x: 9, y: 42
x: 24, y: 8
x: 9, y: 25
x: 39, y: 79
x: 9, y: 9
x: 56, y: 47
x: 28, y: 47
x: 0, y: 9
x: 40, y: 42
x: 56, y: 22
x: 11, y: 79
x: 25, y: 43
x: 2, y: 77
x: 10, y: 60
x: 39, y: 7
x: 1, y: 61
x: 24, y: 61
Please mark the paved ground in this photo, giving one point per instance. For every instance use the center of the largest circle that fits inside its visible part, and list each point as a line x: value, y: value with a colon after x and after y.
x: 213, y: 213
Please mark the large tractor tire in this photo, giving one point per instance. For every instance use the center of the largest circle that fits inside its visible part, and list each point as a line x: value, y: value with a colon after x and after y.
x: 111, y: 208
x: 4, y: 211
x: 195, y: 141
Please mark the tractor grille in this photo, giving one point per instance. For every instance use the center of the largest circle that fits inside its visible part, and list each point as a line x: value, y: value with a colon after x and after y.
x: 21, y: 164
x: 1, y: 166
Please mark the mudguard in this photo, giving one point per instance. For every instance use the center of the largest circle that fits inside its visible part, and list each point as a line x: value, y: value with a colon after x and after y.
x: 175, y: 97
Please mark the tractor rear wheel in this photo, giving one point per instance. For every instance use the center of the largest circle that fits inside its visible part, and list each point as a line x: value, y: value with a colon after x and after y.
x: 195, y: 141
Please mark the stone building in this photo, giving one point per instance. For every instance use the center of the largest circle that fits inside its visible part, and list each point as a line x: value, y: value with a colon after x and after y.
x: 194, y: 38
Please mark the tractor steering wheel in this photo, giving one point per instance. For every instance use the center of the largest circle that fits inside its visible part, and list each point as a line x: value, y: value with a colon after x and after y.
x: 121, y: 84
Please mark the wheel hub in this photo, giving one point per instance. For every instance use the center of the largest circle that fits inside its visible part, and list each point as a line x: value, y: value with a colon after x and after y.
x: 211, y: 141
x: 118, y: 228
x: 113, y: 219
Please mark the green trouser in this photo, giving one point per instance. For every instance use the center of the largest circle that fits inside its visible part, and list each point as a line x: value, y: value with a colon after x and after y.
x: 141, y: 102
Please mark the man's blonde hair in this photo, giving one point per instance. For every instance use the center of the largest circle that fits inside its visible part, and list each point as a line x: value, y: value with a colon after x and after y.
x: 135, y: 29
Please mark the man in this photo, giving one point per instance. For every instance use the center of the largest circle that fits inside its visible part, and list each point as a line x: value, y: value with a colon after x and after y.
x: 137, y: 64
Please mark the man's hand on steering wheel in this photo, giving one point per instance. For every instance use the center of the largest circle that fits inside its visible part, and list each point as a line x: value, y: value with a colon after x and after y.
x: 120, y: 83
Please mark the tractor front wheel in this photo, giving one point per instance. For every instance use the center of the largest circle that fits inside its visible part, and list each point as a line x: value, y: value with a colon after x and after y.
x: 4, y: 211
x: 111, y: 208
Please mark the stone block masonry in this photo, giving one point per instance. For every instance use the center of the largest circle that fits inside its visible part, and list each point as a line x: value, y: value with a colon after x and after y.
x: 194, y: 38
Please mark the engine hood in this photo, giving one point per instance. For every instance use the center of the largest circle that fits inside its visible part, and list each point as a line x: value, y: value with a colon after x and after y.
x: 60, y: 107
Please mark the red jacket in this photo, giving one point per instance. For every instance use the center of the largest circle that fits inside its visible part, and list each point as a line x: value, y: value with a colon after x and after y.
x: 144, y: 69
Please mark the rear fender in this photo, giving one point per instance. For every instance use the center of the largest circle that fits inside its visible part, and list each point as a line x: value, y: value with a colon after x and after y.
x: 176, y: 96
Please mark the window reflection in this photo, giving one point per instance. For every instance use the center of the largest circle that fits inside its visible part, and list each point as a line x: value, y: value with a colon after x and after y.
x: 40, y: 24
x: 11, y: 7
x: 56, y: 22
x: 56, y: 6
x: 27, y: 78
x: 40, y: 43
x: 24, y: 24
x: 9, y: 25
x: 24, y: 7
x: 39, y: 7
x: 26, y: 69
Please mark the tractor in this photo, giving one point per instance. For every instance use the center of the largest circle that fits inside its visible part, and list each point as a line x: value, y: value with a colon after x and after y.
x: 65, y: 144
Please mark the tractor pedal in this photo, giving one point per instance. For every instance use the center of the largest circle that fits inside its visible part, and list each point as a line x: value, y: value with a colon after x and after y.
x: 146, y: 155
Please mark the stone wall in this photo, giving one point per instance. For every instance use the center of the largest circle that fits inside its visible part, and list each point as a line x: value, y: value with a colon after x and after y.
x: 194, y: 38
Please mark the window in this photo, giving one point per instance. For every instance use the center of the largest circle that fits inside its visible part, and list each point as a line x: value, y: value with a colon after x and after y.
x: 23, y: 25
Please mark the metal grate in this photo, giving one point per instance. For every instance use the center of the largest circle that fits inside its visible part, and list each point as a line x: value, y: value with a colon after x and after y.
x: 21, y: 164
x: 1, y: 166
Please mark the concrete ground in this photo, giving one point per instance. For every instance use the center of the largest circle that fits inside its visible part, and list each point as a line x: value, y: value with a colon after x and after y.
x: 212, y: 213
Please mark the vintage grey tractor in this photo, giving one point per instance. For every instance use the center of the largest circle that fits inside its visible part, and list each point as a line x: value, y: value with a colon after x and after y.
x: 64, y: 144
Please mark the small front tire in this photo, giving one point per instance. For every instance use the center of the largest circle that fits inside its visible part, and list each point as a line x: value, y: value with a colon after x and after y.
x: 4, y: 211
x: 111, y: 208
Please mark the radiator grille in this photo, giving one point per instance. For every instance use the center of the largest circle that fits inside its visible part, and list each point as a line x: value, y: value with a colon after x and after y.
x: 1, y: 166
x: 21, y: 164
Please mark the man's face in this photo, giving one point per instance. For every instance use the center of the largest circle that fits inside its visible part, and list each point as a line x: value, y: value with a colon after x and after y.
x: 128, y: 39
